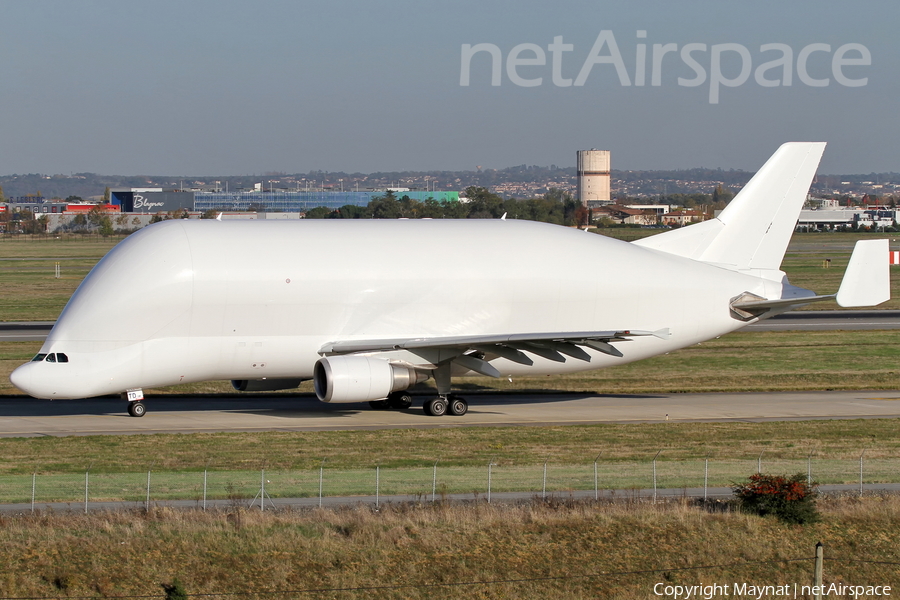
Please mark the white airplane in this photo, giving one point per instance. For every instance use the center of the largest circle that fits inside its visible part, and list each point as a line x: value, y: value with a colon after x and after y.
x: 369, y: 308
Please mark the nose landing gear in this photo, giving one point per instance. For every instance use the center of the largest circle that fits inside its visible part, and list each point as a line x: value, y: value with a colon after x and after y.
x: 136, y: 408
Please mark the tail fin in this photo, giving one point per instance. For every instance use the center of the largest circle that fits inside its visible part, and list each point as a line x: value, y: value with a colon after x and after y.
x: 753, y: 232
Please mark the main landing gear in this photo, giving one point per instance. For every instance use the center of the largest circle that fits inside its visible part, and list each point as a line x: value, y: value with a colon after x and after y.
x: 394, y: 401
x: 442, y: 405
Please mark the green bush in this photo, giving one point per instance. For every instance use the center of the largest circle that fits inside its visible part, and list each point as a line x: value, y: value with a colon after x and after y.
x: 790, y: 499
x: 174, y: 591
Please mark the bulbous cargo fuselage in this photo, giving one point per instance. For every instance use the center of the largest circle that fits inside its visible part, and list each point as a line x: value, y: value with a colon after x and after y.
x: 194, y: 300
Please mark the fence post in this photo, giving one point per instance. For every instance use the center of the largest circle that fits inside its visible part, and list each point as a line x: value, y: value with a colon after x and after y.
x: 377, y: 483
x: 490, y: 464
x: 759, y: 463
x: 861, y: 473
x: 86, y: 487
x: 262, y: 490
x: 706, y: 478
x: 809, y: 468
x: 434, y: 481
x: 33, y: 477
x: 654, y: 474
x: 544, y: 484
x: 321, y: 475
x: 818, y: 572
x: 205, y: 472
x: 147, y: 503
x: 596, y: 481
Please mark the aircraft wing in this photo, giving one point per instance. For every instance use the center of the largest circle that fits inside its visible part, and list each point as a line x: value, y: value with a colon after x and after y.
x: 465, y: 350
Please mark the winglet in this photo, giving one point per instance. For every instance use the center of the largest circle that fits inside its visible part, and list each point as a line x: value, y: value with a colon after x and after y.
x: 867, y: 279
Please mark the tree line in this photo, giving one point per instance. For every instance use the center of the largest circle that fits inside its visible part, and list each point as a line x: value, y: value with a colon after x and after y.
x: 555, y: 206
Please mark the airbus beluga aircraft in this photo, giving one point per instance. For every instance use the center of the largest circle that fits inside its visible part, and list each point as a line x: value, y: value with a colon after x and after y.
x: 368, y: 308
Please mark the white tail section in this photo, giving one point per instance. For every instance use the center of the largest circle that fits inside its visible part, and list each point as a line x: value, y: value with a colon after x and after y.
x: 753, y: 232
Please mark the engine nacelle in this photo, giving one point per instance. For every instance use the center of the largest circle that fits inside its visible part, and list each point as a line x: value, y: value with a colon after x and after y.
x: 361, y: 378
x: 264, y: 385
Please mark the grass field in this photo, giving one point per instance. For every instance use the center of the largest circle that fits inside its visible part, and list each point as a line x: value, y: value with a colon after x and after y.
x: 506, y: 446
x: 537, y: 550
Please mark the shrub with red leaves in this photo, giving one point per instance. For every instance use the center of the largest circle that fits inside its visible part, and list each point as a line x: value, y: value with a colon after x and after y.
x: 790, y: 499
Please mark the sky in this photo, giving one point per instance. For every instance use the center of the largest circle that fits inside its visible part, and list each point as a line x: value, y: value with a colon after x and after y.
x: 233, y: 87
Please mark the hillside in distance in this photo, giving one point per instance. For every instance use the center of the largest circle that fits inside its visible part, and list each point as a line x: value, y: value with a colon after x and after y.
x: 522, y: 181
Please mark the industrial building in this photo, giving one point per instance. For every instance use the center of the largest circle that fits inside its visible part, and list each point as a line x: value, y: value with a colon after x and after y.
x: 155, y: 200
x: 302, y: 201
x: 838, y: 218
x: 593, y: 177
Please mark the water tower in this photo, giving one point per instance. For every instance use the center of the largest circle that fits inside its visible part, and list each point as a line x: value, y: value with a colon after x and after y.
x: 593, y: 177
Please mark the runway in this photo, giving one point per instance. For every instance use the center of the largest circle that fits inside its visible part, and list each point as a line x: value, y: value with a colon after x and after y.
x: 27, y: 417
x: 806, y: 320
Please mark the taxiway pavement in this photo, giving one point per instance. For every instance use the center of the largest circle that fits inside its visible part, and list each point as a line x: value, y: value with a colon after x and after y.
x: 26, y: 417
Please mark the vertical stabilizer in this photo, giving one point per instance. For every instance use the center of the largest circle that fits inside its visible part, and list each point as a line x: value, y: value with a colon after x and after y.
x: 753, y: 232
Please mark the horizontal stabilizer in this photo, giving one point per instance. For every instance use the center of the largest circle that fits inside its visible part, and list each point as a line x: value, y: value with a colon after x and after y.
x: 866, y: 283
x: 867, y: 279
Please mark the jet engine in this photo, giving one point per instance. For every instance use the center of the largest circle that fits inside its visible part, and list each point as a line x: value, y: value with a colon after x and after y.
x: 361, y: 378
x: 264, y: 385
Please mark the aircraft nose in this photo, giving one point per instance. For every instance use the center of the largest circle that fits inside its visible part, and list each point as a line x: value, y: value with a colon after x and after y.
x: 21, y: 378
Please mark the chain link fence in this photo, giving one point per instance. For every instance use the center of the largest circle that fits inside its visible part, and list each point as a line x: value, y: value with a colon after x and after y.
x: 432, y: 481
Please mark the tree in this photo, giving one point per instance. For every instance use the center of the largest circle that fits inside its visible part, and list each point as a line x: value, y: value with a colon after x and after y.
x: 106, y: 228
x: 2, y: 197
x: 386, y: 207
x: 483, y: 204
x: 721, y: 194
x: 319, y: 212
x: 95, y: 215
x: 106, y: 195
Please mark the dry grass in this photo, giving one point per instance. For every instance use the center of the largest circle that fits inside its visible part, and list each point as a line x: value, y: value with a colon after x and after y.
x: 536, y: 550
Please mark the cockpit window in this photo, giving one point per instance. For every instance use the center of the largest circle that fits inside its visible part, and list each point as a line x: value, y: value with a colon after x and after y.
x: 39, y: 358
x: 51, y: 358
x: 60, y: 357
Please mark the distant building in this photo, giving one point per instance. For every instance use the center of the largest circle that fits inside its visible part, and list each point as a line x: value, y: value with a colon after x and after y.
x: 658, y: 209
x: 834, y: 218
x: 593, y: 177
x: 682, y: 217
x: 285, y: 201
x: 150, y: 200
x: 625, y: 215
